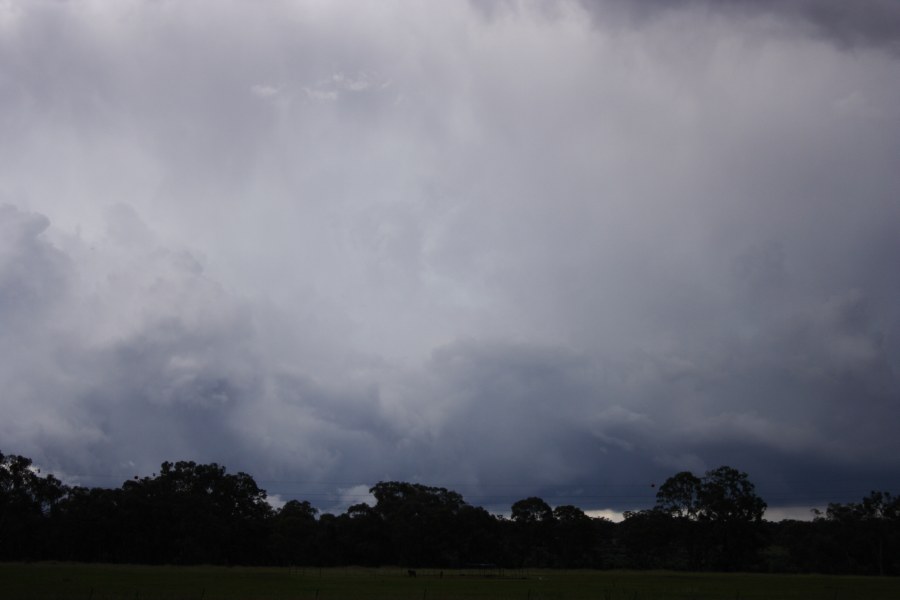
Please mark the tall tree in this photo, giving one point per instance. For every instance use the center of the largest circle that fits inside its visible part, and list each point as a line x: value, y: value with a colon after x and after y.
x: 422, y: 522
x: 718, y: 517
x: 294, y: 532
x: 574, y: 537
x: 26, y: 501
x: 197, y: 513
x: 726, y: 495
x: 533, y: 532
x: 679, y: 496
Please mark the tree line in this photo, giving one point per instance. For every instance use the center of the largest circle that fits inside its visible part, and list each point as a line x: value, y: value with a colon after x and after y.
x: 193, y: 513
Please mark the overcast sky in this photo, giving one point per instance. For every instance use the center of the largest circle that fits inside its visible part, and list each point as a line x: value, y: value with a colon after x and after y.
x: 510, y: 248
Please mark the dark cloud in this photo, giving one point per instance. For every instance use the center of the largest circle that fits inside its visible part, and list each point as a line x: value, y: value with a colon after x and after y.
x: 874, y: 23
x: 512, y: 249
x: 177, y: 368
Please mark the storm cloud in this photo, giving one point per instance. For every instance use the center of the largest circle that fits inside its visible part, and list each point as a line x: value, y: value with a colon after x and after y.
x: 848, y: 24
x: 512, y: 248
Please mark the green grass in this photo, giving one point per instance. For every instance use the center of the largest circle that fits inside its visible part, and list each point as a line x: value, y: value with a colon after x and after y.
x: 56, y: 581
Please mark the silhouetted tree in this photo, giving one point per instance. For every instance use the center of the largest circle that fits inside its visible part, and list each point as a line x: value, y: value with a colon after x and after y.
x: 726, y: 495
x: 533, y: 532
x: 88, y: 526
x: 478, y: 536
x: 679, y: 496
x: 868, y: 533
x: 531, y: 510
x: 716, y: 517
x: 650, y: 539
x: 421, y: 522
x: 26, y: 501
x: 194, y: 513
x: 294, y: 532
x: 365, y: 537
x: 573, y: 537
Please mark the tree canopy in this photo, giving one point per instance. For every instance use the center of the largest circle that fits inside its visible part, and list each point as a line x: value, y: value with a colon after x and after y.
x: 192, y: 513
x: 723, y: 494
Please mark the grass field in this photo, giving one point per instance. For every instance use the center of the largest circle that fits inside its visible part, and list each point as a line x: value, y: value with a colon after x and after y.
x: 54, y: 581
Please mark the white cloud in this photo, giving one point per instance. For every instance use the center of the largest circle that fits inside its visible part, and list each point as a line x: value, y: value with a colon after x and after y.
x: 264, y: 91
x: 358, y: 83
x: 321, y: 95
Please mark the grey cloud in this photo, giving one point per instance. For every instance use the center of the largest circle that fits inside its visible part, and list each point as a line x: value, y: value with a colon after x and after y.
x: 117, y: 350
x: 876, y: 22
x: 331, y: 244
x: 31, y: 273
x: 868, y: 23
x: 151, y: 360
x: 873, y: 23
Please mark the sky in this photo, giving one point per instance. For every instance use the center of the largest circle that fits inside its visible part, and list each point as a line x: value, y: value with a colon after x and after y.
x: 512, y: 248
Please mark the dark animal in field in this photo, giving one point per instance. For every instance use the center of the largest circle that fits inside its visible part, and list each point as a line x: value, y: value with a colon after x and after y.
x: 411, y: 573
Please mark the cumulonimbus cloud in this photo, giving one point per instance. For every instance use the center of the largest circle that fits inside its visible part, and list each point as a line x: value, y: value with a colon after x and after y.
x: 538, y: 242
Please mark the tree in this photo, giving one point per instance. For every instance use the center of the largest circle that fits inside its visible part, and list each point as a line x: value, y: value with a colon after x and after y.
x: 718, y: 517
x: 532, y: 532
x: 196, y: 513
x: 723, y: 494
x: 650, y: 539
x: 574, y: 537
x: 26, y: 501
x: 679, y: 496
x: 868, y: 532
x: 726, y: 494
x: 88, y: 526
x: 729, y: 503
x: 294, y: 533
x: 422, y: 522
x: 531, y: 510
x: 364, y: 536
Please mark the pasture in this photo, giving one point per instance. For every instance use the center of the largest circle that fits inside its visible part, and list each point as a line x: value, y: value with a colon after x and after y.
x: 58, y: 581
